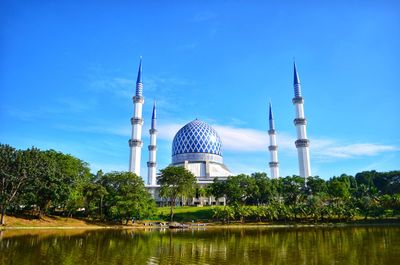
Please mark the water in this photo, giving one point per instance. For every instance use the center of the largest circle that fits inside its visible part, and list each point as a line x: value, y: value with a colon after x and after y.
x: 261, y: 245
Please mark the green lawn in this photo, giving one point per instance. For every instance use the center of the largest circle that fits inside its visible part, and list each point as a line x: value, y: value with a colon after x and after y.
x: 187, y: 213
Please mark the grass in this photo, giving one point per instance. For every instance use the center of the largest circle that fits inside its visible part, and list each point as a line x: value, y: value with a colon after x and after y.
x: 181, y: 214
x: 46, y: 221
x: 187, y: 213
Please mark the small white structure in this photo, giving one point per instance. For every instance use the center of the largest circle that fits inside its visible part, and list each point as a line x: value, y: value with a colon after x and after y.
x: 302, y: 143
x: 273, y: 147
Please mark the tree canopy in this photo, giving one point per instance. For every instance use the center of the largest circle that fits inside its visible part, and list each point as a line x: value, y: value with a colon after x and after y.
x: 176, y: 182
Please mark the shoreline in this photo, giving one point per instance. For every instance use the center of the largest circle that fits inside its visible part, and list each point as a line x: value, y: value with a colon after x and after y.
x: 146, y: 226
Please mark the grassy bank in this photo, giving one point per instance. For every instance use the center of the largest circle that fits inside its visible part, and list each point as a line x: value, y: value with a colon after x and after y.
x: 187, y: 213
x: 181, y: 214
x: 49, y: 221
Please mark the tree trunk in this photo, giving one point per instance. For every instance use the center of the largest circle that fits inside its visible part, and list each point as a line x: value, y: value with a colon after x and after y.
x: 171, y: 213
x: 40, y: 213
x: 101, y: 208
x: 3, y: 213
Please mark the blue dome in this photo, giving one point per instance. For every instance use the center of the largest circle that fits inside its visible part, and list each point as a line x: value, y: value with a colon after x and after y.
x: 196, y: 137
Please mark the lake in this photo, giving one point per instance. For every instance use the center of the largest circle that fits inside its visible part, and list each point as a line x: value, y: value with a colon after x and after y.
x: 249, y: 245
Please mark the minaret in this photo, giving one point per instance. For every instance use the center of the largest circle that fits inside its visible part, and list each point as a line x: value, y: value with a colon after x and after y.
x: 302, y: 143
x: 152, y: 165
x: 273, y: 148
x: 135, y: 143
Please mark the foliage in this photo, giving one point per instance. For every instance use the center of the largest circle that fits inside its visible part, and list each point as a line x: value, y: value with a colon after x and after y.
x: 289, y: 199
x: 126, y: 197
x: 56, y: 180
x: 12, y: 177
x: 176, y: 182
x: 34, y: 182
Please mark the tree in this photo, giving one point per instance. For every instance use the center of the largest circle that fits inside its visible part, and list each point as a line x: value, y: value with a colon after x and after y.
x: 56, y: 180
x: 201, y: 192
x: 12, y: 177
x: 126, y: 197
x: 176, y: 182
x: 339, y: 189
x: 94, y: 193
x: 240, y: 189
x: 217, y: 188
x: 267, y: 191
x: 316, y: 185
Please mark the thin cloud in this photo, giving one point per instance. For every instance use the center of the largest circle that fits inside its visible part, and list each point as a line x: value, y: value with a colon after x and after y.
x: 250, y: 140
x: 356, y: 150
x: 247, y: 140
x: 233, y: 138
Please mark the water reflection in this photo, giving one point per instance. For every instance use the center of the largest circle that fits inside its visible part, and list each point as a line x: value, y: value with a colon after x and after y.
x: 347, y: 245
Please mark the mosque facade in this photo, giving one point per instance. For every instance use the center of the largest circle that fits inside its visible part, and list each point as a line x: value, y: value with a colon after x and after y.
x: 198, y: 147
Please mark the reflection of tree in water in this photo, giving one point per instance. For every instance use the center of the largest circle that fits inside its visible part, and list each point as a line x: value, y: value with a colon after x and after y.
x: 348, y: 245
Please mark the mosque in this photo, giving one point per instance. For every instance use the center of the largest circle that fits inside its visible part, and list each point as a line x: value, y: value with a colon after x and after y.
x: 198, y: 147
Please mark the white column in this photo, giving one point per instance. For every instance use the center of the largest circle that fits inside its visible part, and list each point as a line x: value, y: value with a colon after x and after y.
x: 302, y: 143
x: 152, y: 164
x: 135, y: 142
x: 273, y: 149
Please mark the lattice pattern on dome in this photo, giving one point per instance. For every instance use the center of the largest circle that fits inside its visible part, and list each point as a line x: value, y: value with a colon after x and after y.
x: 196, y: 137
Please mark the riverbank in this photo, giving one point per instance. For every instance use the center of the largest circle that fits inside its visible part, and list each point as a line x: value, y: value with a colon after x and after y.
x: 57, y: 222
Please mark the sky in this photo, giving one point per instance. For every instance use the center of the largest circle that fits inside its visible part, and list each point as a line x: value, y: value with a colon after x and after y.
x: 68, y: 72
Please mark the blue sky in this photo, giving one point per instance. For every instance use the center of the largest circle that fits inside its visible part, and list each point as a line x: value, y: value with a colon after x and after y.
x: 67, y: 74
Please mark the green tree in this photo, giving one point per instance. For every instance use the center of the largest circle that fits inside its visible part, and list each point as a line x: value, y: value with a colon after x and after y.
x: 293, y: 192
x: 240, y: 189
x: 316, y: 185
x: 339, y: 190
x: 384, y: 182
x: 201, y: 192
x: 126, y: 197
x: 176, y: 182
x: 267, y: 191
x: 12, y: 177
x: 56, y: 180
x: 94, y: 193
x: 217, y: 188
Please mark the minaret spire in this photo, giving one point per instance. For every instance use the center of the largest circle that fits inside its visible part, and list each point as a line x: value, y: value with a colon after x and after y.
x: 296, y: 82
x: 152, y: 164
x: 154, y: 116
x: 135, y: 143
x: 273, y: 147
x: 271, y: 118
x: 139, y: 83
x: 302, y: 143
